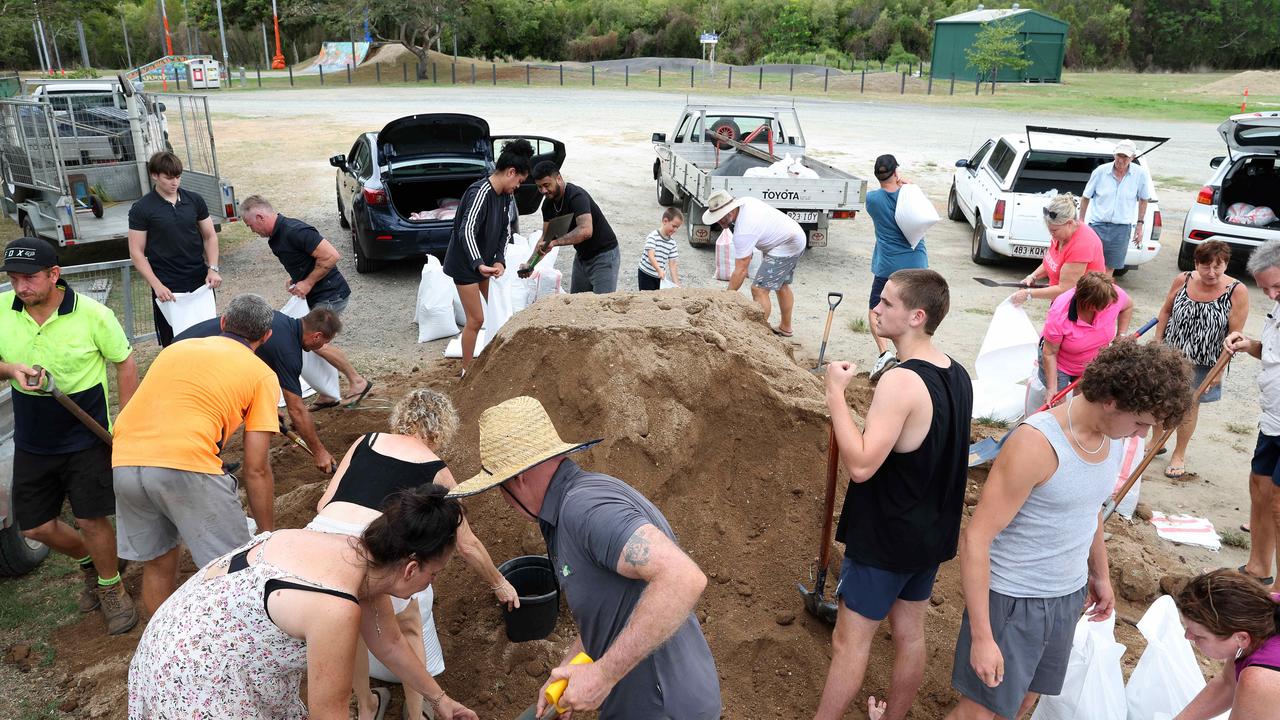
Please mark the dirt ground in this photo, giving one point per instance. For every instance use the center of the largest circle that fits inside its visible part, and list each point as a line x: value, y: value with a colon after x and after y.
x: 714, y: 419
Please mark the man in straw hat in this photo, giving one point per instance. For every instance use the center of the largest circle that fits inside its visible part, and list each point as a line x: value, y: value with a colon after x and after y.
x: 754, y: 225
x: 1119, y: 192
x: 630, y: 588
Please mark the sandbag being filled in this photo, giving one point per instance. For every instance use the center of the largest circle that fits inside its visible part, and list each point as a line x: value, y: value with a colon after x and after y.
x: 436, y: 295
x: 1167, y: 675
x: 187, y: 309
x: 1010, y: 347
x: 1094, y: 686
x: 316, y: 371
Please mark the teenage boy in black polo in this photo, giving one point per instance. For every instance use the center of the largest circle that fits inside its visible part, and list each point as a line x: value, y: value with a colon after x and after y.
x: 907, y: 473
x: 312, y: 264
x: 171, y: 239
x: 595, y: 265
x: 43, y: 322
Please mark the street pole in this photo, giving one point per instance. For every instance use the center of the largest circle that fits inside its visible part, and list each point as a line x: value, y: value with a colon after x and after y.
x: 84, y: 49
x: 277, y: 61
x: 44, y: 43
x: 124, y: 29
x: 168, y: 39
x: 266, y: 52
x: 222, y: 32
x: 35, y: 33
x: 186, y: 22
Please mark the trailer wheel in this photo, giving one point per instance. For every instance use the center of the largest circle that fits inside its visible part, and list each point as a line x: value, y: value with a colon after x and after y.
x: 28, y: 229
x: 726, y: 128
x: 95, y: 206
x: 18, y: 555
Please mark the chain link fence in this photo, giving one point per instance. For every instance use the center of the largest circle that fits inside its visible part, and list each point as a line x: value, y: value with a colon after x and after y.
x: 116, y: 285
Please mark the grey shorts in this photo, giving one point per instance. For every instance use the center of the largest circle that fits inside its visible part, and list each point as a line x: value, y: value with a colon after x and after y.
x: 158, y: 507
x: 337, y: 305
x: 598, y: 275
x: 1034, y: 636
x: 1116, y: 240
x: 775, y: 272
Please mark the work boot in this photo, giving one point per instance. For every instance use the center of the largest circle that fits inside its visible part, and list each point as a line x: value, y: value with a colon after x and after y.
x: 89, y: 600
x: 117, y: 609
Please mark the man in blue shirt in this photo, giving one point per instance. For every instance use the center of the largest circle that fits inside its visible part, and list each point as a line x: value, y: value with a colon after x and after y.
x: 892, y: 250
x: 1118, y: 191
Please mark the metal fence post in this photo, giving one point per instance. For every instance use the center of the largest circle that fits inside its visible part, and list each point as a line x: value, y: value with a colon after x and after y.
x: 348, y: 73
x: 404, y: 72
x: 321, y: 73
x: 593, y: 76
x: 377, y: 71
x: 527, y: 79
x: 434, y: 77
x: 690, y: 76
x: 562, y: 74
x: 953, y: 84
x: 453, y: 73
x: 826, y: 80
x: 993, y: 80
x: 760, y: 81
x: 473, y: 73
x: 929, y: 91
x: 626, y: 73
x: 903, y: 89
x: 659, y: 76
x: 863, y: 87
x: 730, y: 77
x: 495, y: 73
x: 793, y: 80
x: 977, y: 84
x: 126, y: 282
x: 290, y: 76
x: 256, y: 68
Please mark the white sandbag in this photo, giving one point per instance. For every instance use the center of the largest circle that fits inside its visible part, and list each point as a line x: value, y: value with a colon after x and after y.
x: 518, y: 253
x: 544, y: 282
x: 316, y: 371
x: 497, y: 307
x: 454, y: 348
x: 187, y: 309
x: 997, y: 399
x: 1010, y: 347
x: 430, y: 642
x: 436, y: 293
x: 1036, y: 396
x: 1094, y: 686
x: 724, y: 254
x: 665, y: 284
x: 763, y: 172
x: 459, y: 312
x: 1167, y: 676
x: 915, y: 214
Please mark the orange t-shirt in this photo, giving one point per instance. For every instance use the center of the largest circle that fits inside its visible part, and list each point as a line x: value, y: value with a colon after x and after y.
x: 194, y: 396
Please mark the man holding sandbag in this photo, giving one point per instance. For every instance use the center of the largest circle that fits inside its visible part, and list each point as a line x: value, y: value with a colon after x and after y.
x: 892, y: 250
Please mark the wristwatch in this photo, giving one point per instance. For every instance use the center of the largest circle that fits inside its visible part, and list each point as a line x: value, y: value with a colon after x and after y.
x: 215, y: 269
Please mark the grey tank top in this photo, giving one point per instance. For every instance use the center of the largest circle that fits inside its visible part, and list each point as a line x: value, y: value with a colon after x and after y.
x: 1044, y: 551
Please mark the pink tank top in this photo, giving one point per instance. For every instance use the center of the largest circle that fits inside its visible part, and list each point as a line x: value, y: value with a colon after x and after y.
x: 1267, y: 656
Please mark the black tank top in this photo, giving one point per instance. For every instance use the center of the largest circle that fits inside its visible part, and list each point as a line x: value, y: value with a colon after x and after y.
x: 372, y: 477
x: 907, y: 516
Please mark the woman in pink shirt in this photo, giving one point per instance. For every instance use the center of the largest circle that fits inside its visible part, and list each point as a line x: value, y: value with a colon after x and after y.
x: 1081, y: 322
x: 1074, y: 249
x: 1233, y: 618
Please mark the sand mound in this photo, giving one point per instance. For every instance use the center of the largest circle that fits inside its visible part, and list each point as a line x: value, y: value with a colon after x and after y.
x: 1259, y: 82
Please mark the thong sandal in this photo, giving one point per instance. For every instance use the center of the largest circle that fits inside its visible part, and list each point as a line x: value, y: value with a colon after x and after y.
x: 384, y: 700
x: 782, y: 333
x: 1263, y: 580
x: 1175, y: 472
x: 356, y: 399
x: 324, y: 405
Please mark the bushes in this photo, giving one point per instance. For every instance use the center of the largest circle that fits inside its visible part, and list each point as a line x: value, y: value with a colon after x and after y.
x: 594, y: 47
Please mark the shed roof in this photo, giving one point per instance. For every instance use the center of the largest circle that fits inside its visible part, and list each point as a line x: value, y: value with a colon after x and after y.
x: 985, y: 16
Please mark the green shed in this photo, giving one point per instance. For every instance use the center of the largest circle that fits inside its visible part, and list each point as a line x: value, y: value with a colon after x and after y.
x: 1045, y: 37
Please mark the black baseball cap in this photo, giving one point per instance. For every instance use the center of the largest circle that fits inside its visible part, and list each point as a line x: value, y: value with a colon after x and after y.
x: 28, y: 255
x: 885, y: 167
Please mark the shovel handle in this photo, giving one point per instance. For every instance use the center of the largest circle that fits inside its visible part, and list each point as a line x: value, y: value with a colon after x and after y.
x: 1110, y: 507
x: 829, y: 502
x: 70, y: 406
x: 833, y: 303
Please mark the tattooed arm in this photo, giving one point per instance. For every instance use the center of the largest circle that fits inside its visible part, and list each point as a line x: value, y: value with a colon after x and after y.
x: 674, y: 585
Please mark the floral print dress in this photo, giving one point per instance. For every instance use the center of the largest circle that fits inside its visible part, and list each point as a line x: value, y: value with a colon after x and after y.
x: 211, y: 651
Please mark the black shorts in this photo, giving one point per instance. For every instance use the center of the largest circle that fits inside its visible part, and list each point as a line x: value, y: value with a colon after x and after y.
x: 42, y: 482
x: 877, y: 287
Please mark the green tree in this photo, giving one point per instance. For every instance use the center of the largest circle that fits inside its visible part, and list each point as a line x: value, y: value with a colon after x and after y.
x: 997, y: 46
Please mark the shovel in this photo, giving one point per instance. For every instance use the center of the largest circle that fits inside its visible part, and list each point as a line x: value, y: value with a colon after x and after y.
x: 997, y: 283
x: 297, y: 440
x: 814, y: 603
x: 48, y: 386
x: 831, y: 313
x: 553, y: 694
x: 1109, y: 506
x: 986, y: 449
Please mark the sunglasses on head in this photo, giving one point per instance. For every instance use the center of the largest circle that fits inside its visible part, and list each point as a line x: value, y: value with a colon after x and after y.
x: 1054, y: 215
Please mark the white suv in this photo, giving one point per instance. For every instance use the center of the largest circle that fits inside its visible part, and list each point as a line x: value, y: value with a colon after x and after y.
x: 1002, y: 190
x: 1247, y: 174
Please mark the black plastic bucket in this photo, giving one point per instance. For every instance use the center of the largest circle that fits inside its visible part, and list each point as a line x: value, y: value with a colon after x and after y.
x: 535, y: 583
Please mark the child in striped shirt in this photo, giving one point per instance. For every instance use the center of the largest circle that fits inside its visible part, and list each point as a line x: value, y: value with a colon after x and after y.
x: 659, y: 256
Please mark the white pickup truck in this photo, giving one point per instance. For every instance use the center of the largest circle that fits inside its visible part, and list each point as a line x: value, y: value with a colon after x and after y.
x: 712, y: 148
x: 1002, y: 190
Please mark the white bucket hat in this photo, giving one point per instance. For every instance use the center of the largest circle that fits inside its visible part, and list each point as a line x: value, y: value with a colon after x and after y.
x: 720, y: 203
x: 1126, y: 148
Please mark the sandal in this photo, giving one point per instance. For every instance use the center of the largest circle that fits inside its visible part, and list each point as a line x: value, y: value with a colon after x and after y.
x: 1244, y: 527
x: 1175, y: 472
x: 782, y: 333
x: 324, y: 405
x: 1263, y: 580
x: 368, y: 385
x: 384, y: 700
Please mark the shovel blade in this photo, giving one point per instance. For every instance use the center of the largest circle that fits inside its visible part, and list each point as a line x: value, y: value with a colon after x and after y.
x: 983, y: 451
x: 824, y: 610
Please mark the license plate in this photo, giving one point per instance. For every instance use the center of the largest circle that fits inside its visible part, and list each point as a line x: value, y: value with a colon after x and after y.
x: 803, y: 216
x: 1032, y: 251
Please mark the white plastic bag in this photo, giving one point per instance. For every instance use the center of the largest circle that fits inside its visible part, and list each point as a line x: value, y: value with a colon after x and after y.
x: 1010, y: 346
x: 316, y: 371
x: 997, y: 399
x: 915, y: 214
x: 542, y: 283
x: 1094, y: 686
x: 1167, y: 676
x: 436, y: 294
x: 187, y: 309
x: 665, y: 284
x: 497, y: 307
x: 724, y: 254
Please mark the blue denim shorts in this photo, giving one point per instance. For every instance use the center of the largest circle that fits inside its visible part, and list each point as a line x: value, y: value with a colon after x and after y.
x: 871, y: 592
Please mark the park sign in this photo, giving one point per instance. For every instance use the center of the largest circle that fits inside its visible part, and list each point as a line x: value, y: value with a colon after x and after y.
x: 709, y: 38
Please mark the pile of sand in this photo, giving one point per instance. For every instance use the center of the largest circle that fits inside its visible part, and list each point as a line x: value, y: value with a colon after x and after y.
x: 1259, y: 82
x: 713, y: 418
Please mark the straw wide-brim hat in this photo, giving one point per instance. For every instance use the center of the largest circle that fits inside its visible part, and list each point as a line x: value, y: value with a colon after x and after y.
x: 514, y: 436
x: 719, y: 204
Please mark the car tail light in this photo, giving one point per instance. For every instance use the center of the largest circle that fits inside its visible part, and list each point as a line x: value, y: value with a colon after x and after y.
x: 1206, y: 195
x: 997, y: 217
x: 376, y: 197
x: 383, y: 237
x: 1157, y: 226
x: 1199, y: 235
x: 841, y: 214
x: 68, y: 233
